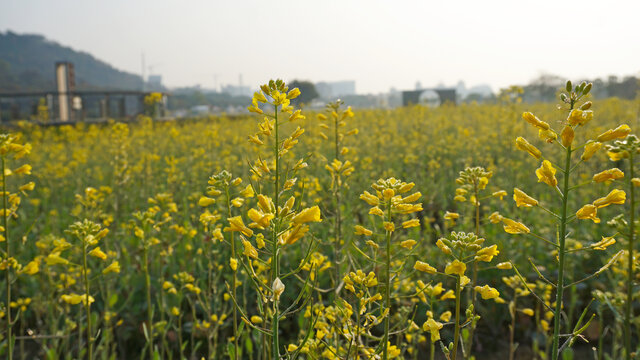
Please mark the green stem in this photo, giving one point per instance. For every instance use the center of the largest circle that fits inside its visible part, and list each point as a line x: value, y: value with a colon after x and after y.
x: 275, y: 271
x: 147, y: 279
x: 9, y: 337
x: 456, y: 332
x: 387, y: 294
x: 233, y: 282
x: 561, y: 254
x: 628, y: 308
x: 87, y: 304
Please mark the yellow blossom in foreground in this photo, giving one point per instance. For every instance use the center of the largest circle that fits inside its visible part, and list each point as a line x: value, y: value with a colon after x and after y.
x: 487, y: 292
x: 98, y: 253
x: 567, y: 136
x: 616, y: 196
x: 547, y: 173
x: 523, y: 199
x: 602, y: 244
x: 590, y: 149
x: 411, y: 223
x: 504, y: 266
x: 424, y: 267
x: 456, y: 267
x: 588, y: 211
x: 311, y: 214
x: 31, y: 268
x: 499, y: 194
x: 608, y: 175
x: 495, y: 217
x: 487, y: 254
x: 533, y: 120
x: 114, y: 267
x: 524, y: 145
x: 236, y: 224
x: 617, y: 133
x: 433, y: 327
x: 514, y: 227
x: 361, y: 230
x: 408, y: 244
x: 233, y: 263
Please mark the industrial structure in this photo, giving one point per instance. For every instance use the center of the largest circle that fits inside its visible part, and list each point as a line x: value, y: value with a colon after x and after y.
x: 421, y: 96
x: 67, y: 104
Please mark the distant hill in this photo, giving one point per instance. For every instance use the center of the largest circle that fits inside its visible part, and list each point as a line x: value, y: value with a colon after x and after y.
x: 27, y: 63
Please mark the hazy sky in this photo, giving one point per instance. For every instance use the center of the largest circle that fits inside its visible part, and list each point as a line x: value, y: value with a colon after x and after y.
x: 379, y: 44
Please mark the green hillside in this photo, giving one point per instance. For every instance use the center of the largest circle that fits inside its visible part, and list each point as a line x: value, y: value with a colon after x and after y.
x: 27, y: 64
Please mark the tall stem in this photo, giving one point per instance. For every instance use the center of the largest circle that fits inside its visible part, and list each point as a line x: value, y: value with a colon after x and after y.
x: 275, y: 271
x: 8, y: 256
x: 387, y: 294
x: 147, y: 279
x: 628, y: 308
x: 87, y: 304
x: 338, y: 220
x: 233, y: 282
x: 456, y: 332
x: 561, y: 253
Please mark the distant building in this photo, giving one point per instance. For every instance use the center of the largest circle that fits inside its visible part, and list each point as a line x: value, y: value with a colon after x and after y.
x: 155, y: 80
x: 329, y: 90
x: 431, y: 97
x: 237, y: 90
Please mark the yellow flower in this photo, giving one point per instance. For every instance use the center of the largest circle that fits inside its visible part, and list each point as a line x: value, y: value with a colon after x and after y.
x: 24, y: 170
x: 424, y: 267
x: 249, y: 250
x: 456, y: 267
x: 635, y: 181
x: 588, y: 212
x: 514, y: 227
x: 114, y: 267
x: 31, y: 268
x: 259, y: 218
x: 528, y: 312
x: 524, y: 145
x: 448, y: 295
x: 233, y: 263
x: 206, y: 201
x: 589, y: 149
x: 602, y: 244
x: 487, y: 254
x: 547, y: 173
x: 410, y: 223
x: 495, y: 217
x: 523, y: 199
x: 533, y: 120
x: 607, y: 175
x: 408, y: 244
x: 612, y: 134
x: 54, y: 259
x: 256, y: 319
x: 433, y: 327
x: 614, y: 197
x: 504, y: 266
x: 443, y: 247
x: 445, y: 316
x: 98, y: 253
x: 566, y: 136
x: 500, y: 194
x: 361, y: 230
x: 370, y: 199
x: 451, y: 216
x: 547, y: 135
x: 236, y: 224
x: 311, y: 214
x: 487, y: 292
x: 389, y: 226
